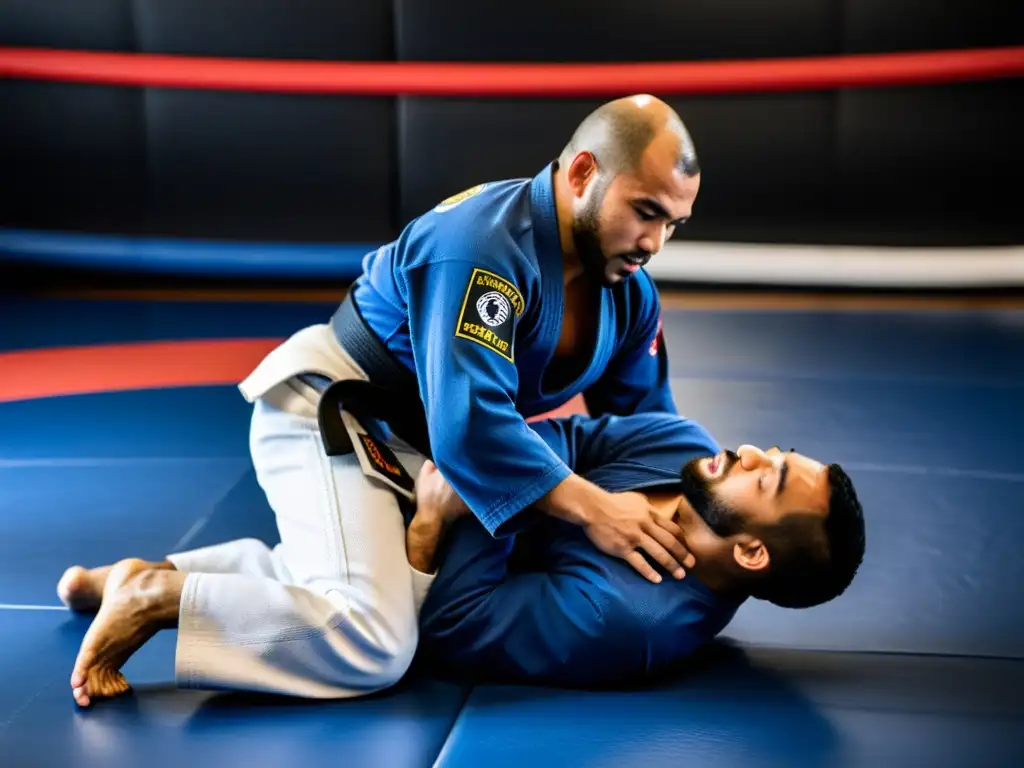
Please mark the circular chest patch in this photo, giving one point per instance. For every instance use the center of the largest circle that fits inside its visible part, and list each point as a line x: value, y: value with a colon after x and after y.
x: 493, y: 308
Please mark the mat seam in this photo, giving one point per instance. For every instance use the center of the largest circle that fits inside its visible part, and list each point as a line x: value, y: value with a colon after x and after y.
x: 446, y: 745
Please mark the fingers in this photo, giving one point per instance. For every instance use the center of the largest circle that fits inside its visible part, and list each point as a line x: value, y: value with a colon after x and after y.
x: 637, y: 560
x: 667, y: 550
x: 659, y: 554
x: 674, y: 543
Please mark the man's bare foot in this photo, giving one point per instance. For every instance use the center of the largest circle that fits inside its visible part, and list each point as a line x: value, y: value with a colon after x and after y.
x: 81, y: 589
x: 137, y: 601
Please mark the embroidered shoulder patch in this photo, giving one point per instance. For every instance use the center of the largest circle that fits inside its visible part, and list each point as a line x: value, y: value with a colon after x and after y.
x: 450, y: 202
x: 489, y: 312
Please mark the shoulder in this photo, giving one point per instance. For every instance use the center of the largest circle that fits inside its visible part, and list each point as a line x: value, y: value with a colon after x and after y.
x: 672, y: 619
x: 610, y: 437
x: 490, y: 217
x: 676, y: 610
x: 632, y: 452
x: 481, y: 227
x: 625, y: 610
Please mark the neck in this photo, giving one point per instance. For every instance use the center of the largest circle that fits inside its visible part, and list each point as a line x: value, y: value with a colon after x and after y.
x: 572, y: 267
x: 713, y: 559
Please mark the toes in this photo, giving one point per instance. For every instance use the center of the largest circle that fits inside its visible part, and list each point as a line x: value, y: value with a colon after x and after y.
x: 101, y: 683
x: 80, y: 673
x: 85, y: 662
x: 81, y: 696
x: 106, y: 683
x: 122, y: 685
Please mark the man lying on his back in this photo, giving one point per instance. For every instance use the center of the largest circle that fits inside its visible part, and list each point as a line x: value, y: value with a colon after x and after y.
x: 543, y: 607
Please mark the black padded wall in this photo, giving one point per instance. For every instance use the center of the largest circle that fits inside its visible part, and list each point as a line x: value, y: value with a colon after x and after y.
x: 291, y: 167
x: 938, y: 165
x: 324, y: 30
x: 880, y: 26
x: 72, y: 156
x: 203, y: 163
x: 609, y: 30
x: 900, y: 165
x: 87, y: 25
x: 269, y: 166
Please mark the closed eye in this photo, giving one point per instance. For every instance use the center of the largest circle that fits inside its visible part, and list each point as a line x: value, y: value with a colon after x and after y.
x: 649, y: 210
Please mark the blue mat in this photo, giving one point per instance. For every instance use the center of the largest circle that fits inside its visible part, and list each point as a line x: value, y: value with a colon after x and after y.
x: 758, y: 708
x: 919, y: 664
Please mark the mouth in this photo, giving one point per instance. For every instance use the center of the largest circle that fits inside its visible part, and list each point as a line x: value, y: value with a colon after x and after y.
x: 714, y: 465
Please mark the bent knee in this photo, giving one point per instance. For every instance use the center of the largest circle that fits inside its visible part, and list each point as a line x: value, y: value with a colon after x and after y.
x: 379, y: 650
x: 401, y: 657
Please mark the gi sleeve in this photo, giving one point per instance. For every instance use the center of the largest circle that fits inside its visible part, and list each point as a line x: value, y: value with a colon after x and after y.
x: 637, y: 379
x: 481, y: 620
x: 463, y: 320
x: 644, y: 450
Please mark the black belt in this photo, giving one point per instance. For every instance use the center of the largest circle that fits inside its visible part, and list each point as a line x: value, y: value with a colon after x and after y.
x: 368, y: 350
x: 391, y: 393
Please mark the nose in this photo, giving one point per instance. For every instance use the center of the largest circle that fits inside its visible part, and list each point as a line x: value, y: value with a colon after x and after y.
x: 752, y: 457
x: 653, y: 239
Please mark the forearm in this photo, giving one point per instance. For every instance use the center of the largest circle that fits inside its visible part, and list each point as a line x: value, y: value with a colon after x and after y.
x: 573, y: 500
x: 421, y: 541
x: 502, y: 487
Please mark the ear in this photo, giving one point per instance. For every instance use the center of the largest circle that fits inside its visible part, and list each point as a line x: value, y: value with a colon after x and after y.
x: 581, y: 170
x: 751, y: 554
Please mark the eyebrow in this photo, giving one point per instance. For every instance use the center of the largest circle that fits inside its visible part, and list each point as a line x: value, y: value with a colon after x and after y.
x: 659, y: 210
x: 783, y: 474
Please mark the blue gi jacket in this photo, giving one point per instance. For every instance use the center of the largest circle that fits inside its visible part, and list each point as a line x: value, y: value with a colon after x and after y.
x: 547, y: 607
x: 470, y: 297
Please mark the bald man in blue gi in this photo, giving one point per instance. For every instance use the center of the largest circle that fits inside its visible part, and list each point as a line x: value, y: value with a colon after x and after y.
x: 503, y: 302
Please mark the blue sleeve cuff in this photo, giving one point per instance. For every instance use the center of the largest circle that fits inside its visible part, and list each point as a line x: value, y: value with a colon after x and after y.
x: 511, y: 514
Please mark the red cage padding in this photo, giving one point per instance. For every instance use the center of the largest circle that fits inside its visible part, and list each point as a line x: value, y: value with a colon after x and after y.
x: 506, y: 80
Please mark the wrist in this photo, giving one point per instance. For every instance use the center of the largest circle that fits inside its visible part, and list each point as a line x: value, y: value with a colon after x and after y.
x: 571, y: 500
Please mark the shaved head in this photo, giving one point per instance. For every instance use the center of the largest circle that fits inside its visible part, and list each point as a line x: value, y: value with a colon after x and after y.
x: 630, y: 176
x: 619, y: 132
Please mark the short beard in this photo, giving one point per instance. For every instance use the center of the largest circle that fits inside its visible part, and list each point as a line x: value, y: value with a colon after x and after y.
x: 588, y: 248
x: 699, y: 492
x: 586, y: 239
x: 586, y: 225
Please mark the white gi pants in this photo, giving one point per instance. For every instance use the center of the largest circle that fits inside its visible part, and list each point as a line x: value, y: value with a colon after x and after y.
x: 331, y: 611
